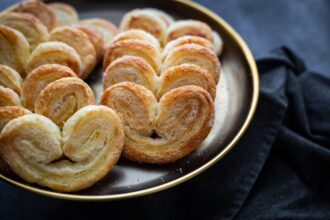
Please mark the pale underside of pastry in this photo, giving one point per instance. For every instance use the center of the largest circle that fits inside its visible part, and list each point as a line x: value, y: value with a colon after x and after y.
x: 187, y: 39
x: 78, y: 40
x: 102, y: 26
x: 65, y: 14
x: 188, y: 27
x: 60, y: 99
x: 16, y: 47
x: 39, y: 78
x: 85, y: 151
x: 146, y: 20
x: 8, y: 97
x: 139, y: 48
x: 10, y: 78
x: 137, y: 35
x: 55, y: 53
x: 161, y: 132
x: 33, y: 29
x: 218, y: 43
x: 6, y: 115
x: 39, y: 10
x: 131, y: 69
x: 194, y: 54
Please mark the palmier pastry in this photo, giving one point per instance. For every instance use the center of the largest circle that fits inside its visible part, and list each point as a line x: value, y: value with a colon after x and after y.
x: 60, y: 99
x: 184, y: 75
x: 9, y: 78
x: 139, y: 48
x: 105, y: 28
x: 65, y: 14
x: 16, y: 47
x: 188, y: 27
x: 137, y: 35
x: 39, y: 78
x: 145, y: 20
x: 194, y: 54
x: 218, y: 43
x: 95, y: 38
x: 168, y: 19
x: 161, y: 132
x: 131, y: 69
x: 6, y: 115
x: 55, y: 53
x: 34, y: 31
x: 186, y: 40
x: 81, y: 43
x: 8, y: 97
x: 83, y: 153
x: 39, y: 10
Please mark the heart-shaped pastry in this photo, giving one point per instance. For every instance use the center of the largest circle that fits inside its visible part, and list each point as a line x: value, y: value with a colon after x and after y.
x: 165, y: 131
x: 88, y: 147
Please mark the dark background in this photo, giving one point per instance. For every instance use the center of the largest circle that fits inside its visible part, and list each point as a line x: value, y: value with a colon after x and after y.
x: 302, y: 25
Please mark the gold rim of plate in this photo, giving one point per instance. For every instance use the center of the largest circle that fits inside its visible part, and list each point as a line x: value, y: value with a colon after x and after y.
x: 255, y: 95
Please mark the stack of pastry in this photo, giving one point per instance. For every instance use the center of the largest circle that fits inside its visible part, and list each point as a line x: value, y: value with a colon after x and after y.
x: 160, y: 79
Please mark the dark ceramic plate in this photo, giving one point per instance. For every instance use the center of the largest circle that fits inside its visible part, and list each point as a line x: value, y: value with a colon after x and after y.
x: 237, y: 95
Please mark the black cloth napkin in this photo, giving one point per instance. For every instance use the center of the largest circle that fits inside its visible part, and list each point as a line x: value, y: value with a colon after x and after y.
x: 279, y: 170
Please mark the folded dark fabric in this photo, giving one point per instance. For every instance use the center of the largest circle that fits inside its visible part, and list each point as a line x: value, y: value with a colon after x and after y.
x: 279, y: 170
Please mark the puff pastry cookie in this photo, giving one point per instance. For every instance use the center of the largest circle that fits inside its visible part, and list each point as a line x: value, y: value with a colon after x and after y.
x: 34, y: 31
x: 17, y: 49
x: 55, y: 53
x: 8, y: 97
x: 60, y: 99
x: 217, y: 42
x: 147, y: 20
x: 78, y: 40
x: 188, y: 27
x: 140, y: 48
x: 83, y: 153
x: 194, y: 54
x: 39, y: 10
x: 65, y: 14
x: 9, y: 78
x: 39, y: 78
x: 161, y: 132
x: 105, y: 28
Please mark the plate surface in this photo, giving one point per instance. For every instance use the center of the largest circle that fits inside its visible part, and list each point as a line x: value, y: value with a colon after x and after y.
x: 237, y: 95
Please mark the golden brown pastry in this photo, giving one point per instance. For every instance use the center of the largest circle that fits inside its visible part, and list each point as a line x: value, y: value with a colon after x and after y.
x: 16, y: 47
x: 161, y: 132
x: 8, y: 97
x: 186, y: 40
x: 6, y: 115
x: 39, y: 78
x: 194, y: 54
x: 60, y: 99
x: 184, y: 75
x: 137, y: 35
x: 138, y: 48
x: 81, y: 43
x: 168, y: 19
x: 131, y: 69
x: 34, y: 31
x: 36, y: 149
x: 104, y: 27
x: 146, y: 20
x: 95, y: 38
x: 39, y: 10
x: 188, y: 27
x: 65, y: 14
x: 55, y: 53
x: 9, y: 78
x: 218, y: 43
